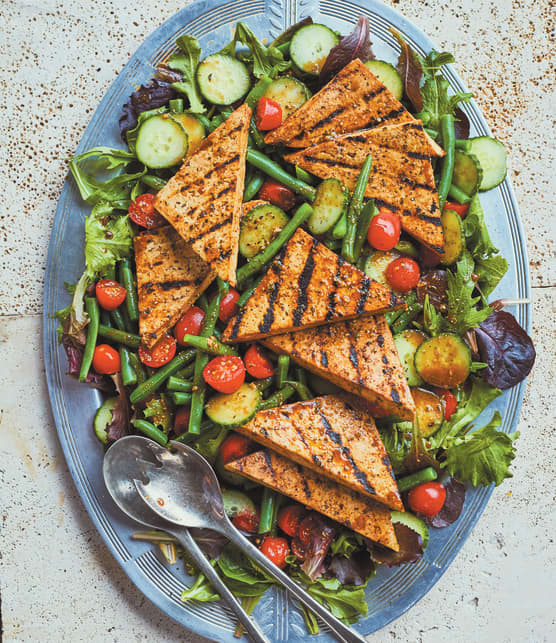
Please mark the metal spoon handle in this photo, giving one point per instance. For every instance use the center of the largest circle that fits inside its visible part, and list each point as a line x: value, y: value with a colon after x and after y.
x: 188, y: 542
x: 344, y: 632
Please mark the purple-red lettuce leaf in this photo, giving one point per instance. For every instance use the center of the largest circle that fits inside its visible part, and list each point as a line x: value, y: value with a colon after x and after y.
x: 411, y: 548
x: 461, y: 124
x: 354, y: 570
x: 450, y: 512
x: 409, y: 68
x: 312, y: 542
x: 357, y: 44
x: 150, y: 96
x: 433, y: 283
x: 119, y: 425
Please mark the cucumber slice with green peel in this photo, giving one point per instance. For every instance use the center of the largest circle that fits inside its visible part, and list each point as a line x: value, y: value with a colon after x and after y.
x: 410, y: 520
x: 236, y: 502
x: 161, y: 142
x: 259, y: 227
x: 234, y: 409
x: 468, y: 174
x: 407, y: 342
x: 290, y: 93
x: 103, y: 417
x: 330, y: 203
x: 388, y: 76
x: 222, y: 79
x: 443, y: 361
x: 310, y: 47
x: 492, y: 157
x: 378, y: 261
x: 429, y: 411
x: 193, y: 128
x: 454, y: 237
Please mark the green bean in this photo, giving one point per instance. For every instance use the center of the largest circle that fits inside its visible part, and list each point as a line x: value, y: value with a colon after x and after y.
x: 354, y: 210
x: 91, y: 306
x: 209, y: 345
x: 410, y: 314
x: 425, y: 475
x: 111, y: 273
x: 301, y: 375
x: 202, y: 302
x: 463, y: 144
x: 105, y: 318
x: 407, y: 248
x: 189, y: 437
x: 367, y: 213
x: 138, y: 368
x: 119, y: 336
x: 128, y: 282
x: 181, y: 399
x: 433, y: 133
x: 448, y: 143
x: 282, y: 371
x: 129, y: 376
x: 223, y: 286
x: 253, y: 187
x: 177, y: 384
x: 151, y: 431
x: 154, y: 382
x: 256, y: 136
x: 277, y: 399
x: 272, y: 169
x: 340, y: 229
x: 277, y: 503
x: 301, y: 389
x: 392, y: 315
x: 303, y: 175
x: 176, y: 105
x: 265, y: 383
x: 267, y: 511
x: 118, y: 320
x: 301, y: 214
x: 333, y: 244
x: 186, y: 372
x: 246, y: 294
x: 154, y: 182
x: 459, y: 195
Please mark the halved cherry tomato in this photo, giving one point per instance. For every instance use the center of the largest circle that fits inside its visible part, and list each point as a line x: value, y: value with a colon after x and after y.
x: 228, y: 305
x: 276, y: 550
x: 225, y: 373
x: 289, y: 518
x: 268, y: 114
x: 277, y: 194
x: 161, y: 353
x: 142, y: 212
x: 181, y: 421
x: 429, y: 258
x: 427, y: 498
x: 450, y: 404
x: 403, y: 274
x: 257, y: 363
x: 189, y: 324
x: 384, y: 230
x: 246, y: 520
x: 234, y: 446
x: 106, y: 360
x: 110, y: 294
x: 457, y: 207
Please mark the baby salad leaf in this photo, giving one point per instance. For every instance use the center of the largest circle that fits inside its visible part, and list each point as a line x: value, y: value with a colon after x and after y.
x: 432, y: 321
x: 187, y: 61
x: 107, y: 239
x: 451, y: 510
x: 357, y: 44
x: 354, y: 570
x: 155, y: 94
x: 344, y: 601
x: 462, y: 313
x: 105, y: 158
x: 490, y: 271
x: 409, y: 68
x: 201, y: 590
x: 115, y: 190
x: 346, y: 543
x: 477, y: 238
x: 267, y: 61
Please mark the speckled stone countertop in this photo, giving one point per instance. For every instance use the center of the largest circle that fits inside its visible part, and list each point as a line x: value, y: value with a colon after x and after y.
x: 57, y: 579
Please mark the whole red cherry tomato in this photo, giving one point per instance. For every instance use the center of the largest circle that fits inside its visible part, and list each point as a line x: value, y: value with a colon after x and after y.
x: 257, y: 363
x: 142, y: 212
x: 403, y: 274
x: 268, y: 114
x: 225, y: 373
x: 181, y: 421
x: 276, y: 550
x: 246, y: 520
x: 189, y: 324
x: 277, y: 194
x: 384, y: 230
x: 161, y: 353
x: 110, y: 294
x: 456, y: 207
x: 106, y: 360
x: 289, y: 518
x: 228, y: 305
x: 234, y: 446
x: 427, y: 498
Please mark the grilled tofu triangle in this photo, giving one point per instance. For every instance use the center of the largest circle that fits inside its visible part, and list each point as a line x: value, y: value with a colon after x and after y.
x: 363, y: 515
x: 334, y: 439
x: 307, y: 285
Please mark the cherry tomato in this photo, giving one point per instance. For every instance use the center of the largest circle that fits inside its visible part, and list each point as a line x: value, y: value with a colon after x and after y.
x: 457, y: 207
x: 403, y: 274
x: 427, y: 498
x: 277, y: 194
x: 450, y: 404
x: 429, y: 258
x: 161, y: 353
x: 276, y: 550
x: 110, y: 294
x: 189, y: 324
x: 384, y: 230
x: 225, y: 373
x: 257, y: 363
x: 289, y: 518
x: 142, y: 212
x: 106, y: 360
x: 246, y: 520
x: 234, y: 446
x: 268, y: 114
x: 181, y: 421
x: 228, y: 306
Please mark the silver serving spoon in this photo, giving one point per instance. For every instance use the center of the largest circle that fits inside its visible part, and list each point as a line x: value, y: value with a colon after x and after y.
x: 184, y: 490
x: 119, y: 468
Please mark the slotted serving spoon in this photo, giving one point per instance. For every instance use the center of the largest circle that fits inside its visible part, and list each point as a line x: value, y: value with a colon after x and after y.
x: 183, y: 489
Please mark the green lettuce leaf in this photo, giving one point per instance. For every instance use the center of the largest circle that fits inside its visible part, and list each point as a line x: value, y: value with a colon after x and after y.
x: 107, y: 239
x: 240, y: 575
x: 201, y: 590
x: 115, y: 190
x: 344, y: 601
x: 345, y: 543
x: 105, y: 158
x: 462, y: 313
x: 187, y: 61
x: 73, y: 318
x: 490, y: 271
x: 477, y: 238
x: 433, y: 322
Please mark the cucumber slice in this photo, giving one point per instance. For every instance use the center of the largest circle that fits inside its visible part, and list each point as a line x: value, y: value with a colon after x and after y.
x: 222, y: 79
x: 234, y: 409
x: 378, y: 261
x: 429, y: 411
x: 330, y: 203
x: 467, y: 174
x: 236, y: 502
x: 411, y: 521
x: 161, y: 142
x: 492, y: 159
x: 454, y: 237
x: 103, y: 417
x: 388, y: 76
x: 443, y: 361
x: 407, y: 342
x: 290, y: 93
x: 310, y: 47
x: 193, y: 128
x: 259, y: 226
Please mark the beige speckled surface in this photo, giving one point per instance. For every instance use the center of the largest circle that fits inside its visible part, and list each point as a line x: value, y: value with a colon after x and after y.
x: 57, y: 579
